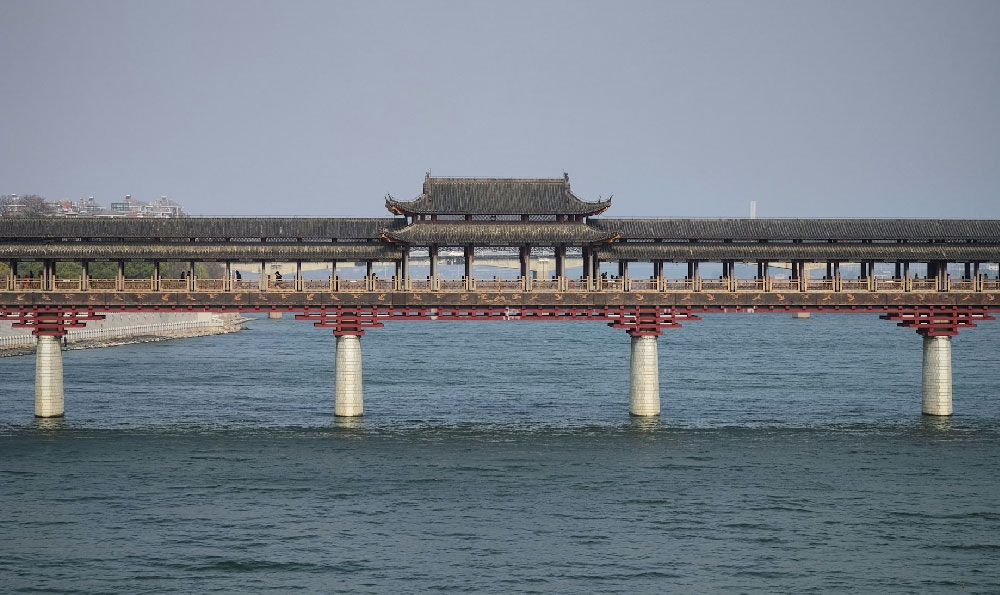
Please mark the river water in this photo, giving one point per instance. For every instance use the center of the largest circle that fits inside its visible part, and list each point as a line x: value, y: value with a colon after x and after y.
x: 791, y: 456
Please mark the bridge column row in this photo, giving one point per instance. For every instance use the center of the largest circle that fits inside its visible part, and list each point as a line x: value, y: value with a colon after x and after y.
x: 936, y: 326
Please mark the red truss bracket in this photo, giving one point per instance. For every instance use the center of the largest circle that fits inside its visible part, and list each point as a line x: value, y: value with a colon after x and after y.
x: 346, y: 320
x: 649, y: 321
x: 50, y: 323
x: 938, y: 321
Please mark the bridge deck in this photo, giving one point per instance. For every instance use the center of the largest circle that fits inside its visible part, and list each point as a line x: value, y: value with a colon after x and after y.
x: 298, y: 300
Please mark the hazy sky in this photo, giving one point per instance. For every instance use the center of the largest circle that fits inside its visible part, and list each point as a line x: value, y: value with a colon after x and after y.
x: 864, y: 108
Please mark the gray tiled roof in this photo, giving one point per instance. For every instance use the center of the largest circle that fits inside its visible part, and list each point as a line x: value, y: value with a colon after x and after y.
x: 803, y: 229
x: 198, y: 227
x: 821, y: 252
x: 201, y: 251
x: 496, y: 196
x: 498, y: 234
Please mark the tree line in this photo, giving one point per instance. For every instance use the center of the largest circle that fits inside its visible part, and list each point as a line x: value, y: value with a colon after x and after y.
x: 29, y: 205
x: 108, y: 270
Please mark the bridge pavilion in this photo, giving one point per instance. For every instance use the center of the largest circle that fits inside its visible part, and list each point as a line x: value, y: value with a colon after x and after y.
x: 467, y: 213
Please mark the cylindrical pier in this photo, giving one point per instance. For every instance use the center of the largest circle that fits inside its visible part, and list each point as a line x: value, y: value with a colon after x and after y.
x: 937, y: 376
x: 644, y: 378
x: 347, y: 390
x: 48, y: 378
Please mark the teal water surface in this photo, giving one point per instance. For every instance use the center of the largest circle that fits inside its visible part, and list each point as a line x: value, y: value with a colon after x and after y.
x: 499, y: 457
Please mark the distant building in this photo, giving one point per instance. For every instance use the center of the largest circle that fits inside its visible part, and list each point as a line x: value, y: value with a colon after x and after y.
x: 162, y: 208
x: 88, y: 207
x: 127, y: 206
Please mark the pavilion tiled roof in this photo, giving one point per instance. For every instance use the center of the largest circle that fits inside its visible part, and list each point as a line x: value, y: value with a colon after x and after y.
x: 496, y: 196
x: 803, y: 229
x: 499, y: 234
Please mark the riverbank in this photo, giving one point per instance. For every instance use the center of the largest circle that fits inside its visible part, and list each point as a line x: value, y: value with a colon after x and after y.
x: 220, y: 324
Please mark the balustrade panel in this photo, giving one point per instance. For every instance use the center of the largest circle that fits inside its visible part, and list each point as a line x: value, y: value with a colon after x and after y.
x: 643, y: 285
x: 545, y: 285
x: 210, y: 284
x: 137, y: 285
x: 102, y: 284
x: 67, y: 284
x: 853, y: 285
x: 750, y: 285
x: 715, y: 285
x: 241, y: 285
x: 677, y: 284
x: 352, y: 285
x: 172, y: 284
x: 316, y: 284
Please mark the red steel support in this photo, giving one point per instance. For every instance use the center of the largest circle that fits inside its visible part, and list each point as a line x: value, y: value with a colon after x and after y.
x: 50, y: 322
x: 937, y: 321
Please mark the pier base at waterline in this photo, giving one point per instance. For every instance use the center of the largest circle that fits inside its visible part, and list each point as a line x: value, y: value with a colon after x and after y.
x: 48, y: 377
x: 937, y: 375
x: 347, y: 390
x: 644, y: 378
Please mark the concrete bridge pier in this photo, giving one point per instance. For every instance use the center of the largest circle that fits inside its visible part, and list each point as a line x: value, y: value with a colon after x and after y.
x: 644, y: 377
x: 48, y: 377
x: 937, y: 376
x: 348, y: 401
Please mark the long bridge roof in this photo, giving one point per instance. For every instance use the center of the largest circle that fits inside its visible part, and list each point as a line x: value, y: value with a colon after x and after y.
x: 315, y: 239
x: 783, y: 252
x: 290, y: 228
x: 803, y: 229
x: 201, y: 251
x: 596, y: 229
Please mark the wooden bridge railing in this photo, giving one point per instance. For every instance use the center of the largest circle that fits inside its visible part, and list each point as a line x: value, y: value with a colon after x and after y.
x: 978, y: 283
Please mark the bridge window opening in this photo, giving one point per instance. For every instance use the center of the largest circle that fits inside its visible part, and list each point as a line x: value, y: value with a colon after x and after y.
x: 451, y: 263
x: 496, y: 217
x: 489, y: 263
x: 419, y: 263
x: 247, y: 270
